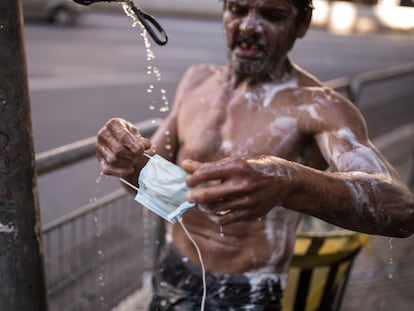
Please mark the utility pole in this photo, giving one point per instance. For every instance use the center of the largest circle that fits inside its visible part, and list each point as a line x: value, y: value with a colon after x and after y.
x: 22, y: 278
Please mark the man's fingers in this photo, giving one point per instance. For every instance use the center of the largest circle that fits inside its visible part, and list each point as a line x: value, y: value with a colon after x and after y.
x: 130, y: 138
x: 190, y: 166
x: 115, y: 171
x: 204, y: 174
x: 207, y: 194
x: 120, y: 147
x: 112, y: 151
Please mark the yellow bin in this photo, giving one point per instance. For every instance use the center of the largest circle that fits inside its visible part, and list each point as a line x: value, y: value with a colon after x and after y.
x: 320, y: 267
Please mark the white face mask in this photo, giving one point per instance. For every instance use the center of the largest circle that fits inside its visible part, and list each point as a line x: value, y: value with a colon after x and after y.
x: 162, y: 188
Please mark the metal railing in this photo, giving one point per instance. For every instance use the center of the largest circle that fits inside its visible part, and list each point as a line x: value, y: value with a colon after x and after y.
x: 95, y: 257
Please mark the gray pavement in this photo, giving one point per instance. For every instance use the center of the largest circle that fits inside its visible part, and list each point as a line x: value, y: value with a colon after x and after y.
x: 382, y: 277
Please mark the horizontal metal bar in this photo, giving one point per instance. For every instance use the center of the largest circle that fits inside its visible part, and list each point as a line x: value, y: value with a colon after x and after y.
x: 71, y: 153
x: 88, y: 208
x: 373, y: 76
x: 341, y: 83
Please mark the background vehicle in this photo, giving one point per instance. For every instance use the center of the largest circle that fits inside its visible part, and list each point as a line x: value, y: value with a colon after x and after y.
x: 59, y: 12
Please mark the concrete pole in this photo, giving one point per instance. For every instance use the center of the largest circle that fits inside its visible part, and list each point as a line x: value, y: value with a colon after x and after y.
x: 22, y: 280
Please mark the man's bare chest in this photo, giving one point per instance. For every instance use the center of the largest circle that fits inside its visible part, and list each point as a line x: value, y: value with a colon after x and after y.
x: 215, y: 130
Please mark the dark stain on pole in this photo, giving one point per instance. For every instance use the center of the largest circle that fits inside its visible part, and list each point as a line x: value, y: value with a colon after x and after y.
x: 22, y: 278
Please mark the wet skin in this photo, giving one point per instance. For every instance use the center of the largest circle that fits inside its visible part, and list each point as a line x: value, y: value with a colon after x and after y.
x: 267, y: 142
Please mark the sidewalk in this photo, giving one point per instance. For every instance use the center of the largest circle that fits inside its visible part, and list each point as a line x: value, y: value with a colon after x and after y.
x: 383, y: 277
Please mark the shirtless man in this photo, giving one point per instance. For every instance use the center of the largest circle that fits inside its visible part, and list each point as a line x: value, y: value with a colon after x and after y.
x: 267, y: 141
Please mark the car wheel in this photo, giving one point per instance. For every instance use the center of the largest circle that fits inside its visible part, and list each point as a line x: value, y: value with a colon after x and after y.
x: 63, y: 16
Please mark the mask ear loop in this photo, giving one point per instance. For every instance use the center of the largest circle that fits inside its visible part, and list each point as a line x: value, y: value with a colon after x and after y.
x: 127, y: 182
x: 203, y: 299
x: 200, y: 257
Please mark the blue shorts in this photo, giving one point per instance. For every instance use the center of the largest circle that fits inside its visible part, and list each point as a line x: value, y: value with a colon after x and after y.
x: 178, y: 286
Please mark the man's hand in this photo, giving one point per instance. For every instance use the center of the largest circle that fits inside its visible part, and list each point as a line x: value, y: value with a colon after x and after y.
x: 237, y: 189
x: 120, y: 148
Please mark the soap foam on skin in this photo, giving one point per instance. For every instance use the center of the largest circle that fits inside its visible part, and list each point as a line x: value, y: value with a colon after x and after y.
x: 268, y: 91
x: 272, y: 89
x: 285, y: 125
x: 7, y: 228
x: 365, y: 155
x: 311, y: 110
x: 363, y: 202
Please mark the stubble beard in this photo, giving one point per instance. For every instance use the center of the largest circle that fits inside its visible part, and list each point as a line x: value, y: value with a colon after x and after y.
x: 256, y: 69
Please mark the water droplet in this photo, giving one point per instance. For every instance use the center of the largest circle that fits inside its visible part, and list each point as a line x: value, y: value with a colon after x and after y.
x: 100, y: 253
x: 95, y: 219
x: 391, y: 267
x: 221, y: 231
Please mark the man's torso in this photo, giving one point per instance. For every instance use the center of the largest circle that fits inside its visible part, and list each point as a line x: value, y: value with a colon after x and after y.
x: 215, y: 121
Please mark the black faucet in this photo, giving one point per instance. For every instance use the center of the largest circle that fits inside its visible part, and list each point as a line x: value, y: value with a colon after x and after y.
x: 155, y: 30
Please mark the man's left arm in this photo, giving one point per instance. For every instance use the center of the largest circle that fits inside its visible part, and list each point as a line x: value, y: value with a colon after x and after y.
x: 360, y: 192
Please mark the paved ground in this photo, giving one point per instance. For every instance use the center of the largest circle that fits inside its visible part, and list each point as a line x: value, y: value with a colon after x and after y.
x: 383, y: 277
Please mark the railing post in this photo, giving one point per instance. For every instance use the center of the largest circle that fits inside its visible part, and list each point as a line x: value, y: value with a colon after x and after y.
x: 22, y: 278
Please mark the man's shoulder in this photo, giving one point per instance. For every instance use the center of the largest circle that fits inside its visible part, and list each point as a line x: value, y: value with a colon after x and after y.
x: 203, y: 70
x: 197, y: 76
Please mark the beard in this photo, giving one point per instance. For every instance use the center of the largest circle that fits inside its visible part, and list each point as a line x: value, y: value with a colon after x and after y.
x: 262, y: 65
x: 251, y: 67
x: 257, y: 66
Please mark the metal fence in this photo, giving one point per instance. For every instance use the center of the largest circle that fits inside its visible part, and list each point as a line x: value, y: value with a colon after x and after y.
x: 95, y: 257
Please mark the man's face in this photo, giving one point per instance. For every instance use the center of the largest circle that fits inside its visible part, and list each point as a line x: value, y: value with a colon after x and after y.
x: 259, y: 34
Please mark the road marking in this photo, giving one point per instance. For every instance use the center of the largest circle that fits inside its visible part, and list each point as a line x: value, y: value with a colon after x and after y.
x: 96, y: 80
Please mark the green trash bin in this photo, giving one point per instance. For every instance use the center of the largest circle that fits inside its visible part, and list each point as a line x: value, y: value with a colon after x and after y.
x: 320, y: 266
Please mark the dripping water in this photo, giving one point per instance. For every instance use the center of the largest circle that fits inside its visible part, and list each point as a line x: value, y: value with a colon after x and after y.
x: 390, y: 266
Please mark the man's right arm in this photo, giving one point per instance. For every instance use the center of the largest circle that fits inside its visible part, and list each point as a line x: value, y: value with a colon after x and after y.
x: 120, y: 147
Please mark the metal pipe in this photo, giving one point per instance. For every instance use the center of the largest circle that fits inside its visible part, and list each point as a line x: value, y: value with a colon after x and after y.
x: 22, y: 278
x: 367, y: 78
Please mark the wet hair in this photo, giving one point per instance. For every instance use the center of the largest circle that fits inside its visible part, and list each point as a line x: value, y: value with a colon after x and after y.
x: 303, y: 7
